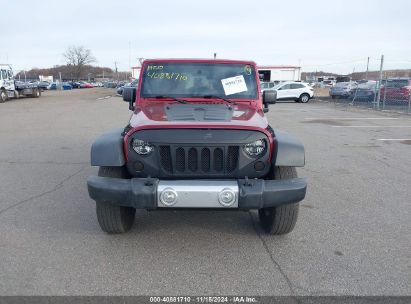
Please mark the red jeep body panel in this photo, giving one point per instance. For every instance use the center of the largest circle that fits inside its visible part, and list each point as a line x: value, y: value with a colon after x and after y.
x: 149, y: 112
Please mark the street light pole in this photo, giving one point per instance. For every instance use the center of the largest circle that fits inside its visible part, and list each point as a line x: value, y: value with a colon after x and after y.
x: 368, y: 63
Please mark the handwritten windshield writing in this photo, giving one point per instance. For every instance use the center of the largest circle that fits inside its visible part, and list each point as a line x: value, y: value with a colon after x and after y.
x: 175, y: 76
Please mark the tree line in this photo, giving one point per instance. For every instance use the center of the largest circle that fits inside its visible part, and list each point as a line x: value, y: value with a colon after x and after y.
x: 78, y: 66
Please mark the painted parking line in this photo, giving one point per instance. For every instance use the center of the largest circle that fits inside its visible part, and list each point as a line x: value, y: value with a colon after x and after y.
x: 352, y: 118
x: 370, y: 126
x: 393, y: 139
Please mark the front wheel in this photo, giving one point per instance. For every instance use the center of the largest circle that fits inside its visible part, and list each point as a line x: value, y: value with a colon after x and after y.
x: 281, y: 219
x: 3, y: 96
x: 304, y: 98
x: 36, y: 93
x: 113, y: 218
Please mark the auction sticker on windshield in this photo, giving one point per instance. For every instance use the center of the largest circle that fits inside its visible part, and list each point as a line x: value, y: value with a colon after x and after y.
x: 234, y: 85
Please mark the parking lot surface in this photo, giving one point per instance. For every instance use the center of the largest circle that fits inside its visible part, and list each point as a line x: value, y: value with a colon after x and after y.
x: 352, y: 236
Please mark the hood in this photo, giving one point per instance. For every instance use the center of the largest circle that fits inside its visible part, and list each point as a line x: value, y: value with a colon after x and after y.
x: 198, y: 115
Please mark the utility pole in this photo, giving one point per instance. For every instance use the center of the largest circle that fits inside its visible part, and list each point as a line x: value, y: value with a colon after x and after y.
x: 129, y: 55
x: 366, y: 73
x: 61, y: 86
x: 379, y: 86
x: 115, y: 65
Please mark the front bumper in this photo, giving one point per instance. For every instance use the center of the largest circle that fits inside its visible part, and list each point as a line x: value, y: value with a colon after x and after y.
x: 144, y: 193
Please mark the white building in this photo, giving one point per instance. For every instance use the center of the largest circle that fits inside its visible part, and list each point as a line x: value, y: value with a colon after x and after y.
x: 135, y: 72
x: 279, y: 73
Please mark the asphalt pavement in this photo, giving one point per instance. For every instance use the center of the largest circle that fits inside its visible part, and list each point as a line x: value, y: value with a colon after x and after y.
x: 352, y: 236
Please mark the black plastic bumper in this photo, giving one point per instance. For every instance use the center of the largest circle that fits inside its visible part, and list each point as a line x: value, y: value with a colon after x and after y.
x: 141, y: 193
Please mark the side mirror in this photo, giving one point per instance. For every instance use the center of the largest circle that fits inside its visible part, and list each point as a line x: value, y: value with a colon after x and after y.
x: 129, y: 95
x: 269, y: 96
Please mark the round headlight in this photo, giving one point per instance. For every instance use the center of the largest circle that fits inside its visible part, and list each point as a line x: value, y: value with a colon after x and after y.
x: 141, y: 147
x: 255, y: 148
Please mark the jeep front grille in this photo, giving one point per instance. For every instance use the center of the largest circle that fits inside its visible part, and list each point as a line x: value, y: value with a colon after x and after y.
x: 196, y: 160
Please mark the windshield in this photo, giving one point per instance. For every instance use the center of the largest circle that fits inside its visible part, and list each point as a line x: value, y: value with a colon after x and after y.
x: 397, y: 83
x: 367, y: 85
x: 342, y: 84
x: 233, y: 81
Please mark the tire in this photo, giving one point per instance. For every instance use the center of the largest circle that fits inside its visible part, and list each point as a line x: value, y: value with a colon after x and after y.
x: 113, y: 218
x: 281, y: 219
x: 3, y: 96
x: 36, y: 93
x: 333, y: 96
x: 304, y: 98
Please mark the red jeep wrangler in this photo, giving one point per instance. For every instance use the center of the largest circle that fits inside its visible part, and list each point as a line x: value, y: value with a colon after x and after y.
x: 198, y: 138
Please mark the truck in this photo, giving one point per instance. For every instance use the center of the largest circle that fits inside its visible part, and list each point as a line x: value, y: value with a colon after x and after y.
x: 10, y: 88
x: 199, y: 139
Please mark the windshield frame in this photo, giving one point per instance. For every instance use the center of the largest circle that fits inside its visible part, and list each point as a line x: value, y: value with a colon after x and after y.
x: 190, y: 97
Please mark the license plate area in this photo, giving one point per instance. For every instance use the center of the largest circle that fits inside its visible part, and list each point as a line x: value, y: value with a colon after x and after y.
x: 197, y: 194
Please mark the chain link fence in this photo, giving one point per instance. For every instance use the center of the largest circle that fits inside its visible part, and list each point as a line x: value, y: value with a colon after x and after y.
x: 379, y: 85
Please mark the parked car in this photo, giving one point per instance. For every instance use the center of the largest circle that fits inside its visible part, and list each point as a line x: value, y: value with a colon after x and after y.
x: 66, y: 86
x: 396, y: 89
x: 327, y: 83
x: 57, y: 86
x: 133, y: 84
x: 96, y: 84
x: 85, y: 85
x: 75, y: 85
x: 365, y: 91
x: 110, y: 84
x: 43, y: 85
x: 343, y: 89
x: 296, y: 91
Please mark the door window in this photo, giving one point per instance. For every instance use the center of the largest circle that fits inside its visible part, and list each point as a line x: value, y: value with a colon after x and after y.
x: 296, y: 86
x: 286, y: 87
x: 3, y: 74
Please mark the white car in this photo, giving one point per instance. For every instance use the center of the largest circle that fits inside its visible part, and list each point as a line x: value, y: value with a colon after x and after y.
x: 297, y: 91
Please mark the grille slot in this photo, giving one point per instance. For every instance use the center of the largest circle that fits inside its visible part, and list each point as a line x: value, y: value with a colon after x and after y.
x: 165, y: 158
x: 180, y: 159
x: 205, y: 159
x: 183, y: 161
x: 192, y: 159
x: 232, y: 158
x: 218, y: 159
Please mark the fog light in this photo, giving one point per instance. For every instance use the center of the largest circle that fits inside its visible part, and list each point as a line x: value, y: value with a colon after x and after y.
x: 226, y: 197
x: 138, y: 166
x: 168, y: 197
x: 259, y: 166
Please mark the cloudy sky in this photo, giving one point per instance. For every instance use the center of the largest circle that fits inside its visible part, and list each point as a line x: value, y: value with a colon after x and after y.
x: 333, y: 35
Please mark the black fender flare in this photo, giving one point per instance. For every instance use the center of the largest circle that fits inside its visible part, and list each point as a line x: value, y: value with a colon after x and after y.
x: 107, y: 150
x: 290, y: 151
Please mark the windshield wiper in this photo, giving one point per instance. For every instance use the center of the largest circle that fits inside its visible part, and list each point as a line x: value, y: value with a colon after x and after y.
x: 169, y: 97
x: 219, y: 97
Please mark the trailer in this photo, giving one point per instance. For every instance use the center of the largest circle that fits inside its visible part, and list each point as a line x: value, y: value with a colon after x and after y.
x: 279, y: 73
x: 10, y: 88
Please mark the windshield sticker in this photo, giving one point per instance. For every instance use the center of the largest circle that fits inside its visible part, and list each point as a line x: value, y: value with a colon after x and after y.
x: 175, y: 76
x: 234, y: 85
x: 154, y: 67
x: 247, y: 70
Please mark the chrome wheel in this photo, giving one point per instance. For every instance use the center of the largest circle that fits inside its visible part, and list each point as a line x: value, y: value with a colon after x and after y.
x: 304, y: 98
